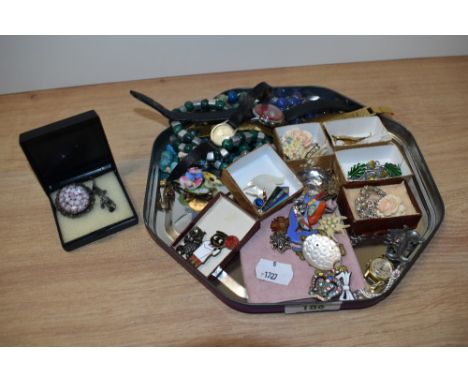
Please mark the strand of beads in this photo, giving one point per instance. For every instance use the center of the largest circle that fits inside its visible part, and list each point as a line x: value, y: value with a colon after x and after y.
x: 182, y: 141
x: 287, y: 98
x: 221, y: 102
x: 240, y: 144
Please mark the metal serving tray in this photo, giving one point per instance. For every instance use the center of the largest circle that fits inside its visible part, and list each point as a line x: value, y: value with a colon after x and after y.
x: 227, y: 283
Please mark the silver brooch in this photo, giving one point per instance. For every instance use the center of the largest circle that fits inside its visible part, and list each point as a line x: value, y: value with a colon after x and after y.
x: 280, y: 241
x: 401, y: 243
x: 366, y: 205
x: 105, y: 201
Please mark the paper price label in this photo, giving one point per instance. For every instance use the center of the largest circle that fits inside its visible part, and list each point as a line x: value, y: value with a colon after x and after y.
x: 274, y: 272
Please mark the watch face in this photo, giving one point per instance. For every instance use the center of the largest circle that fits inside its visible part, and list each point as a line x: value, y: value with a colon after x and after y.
x: 381, y: 268
x: 221, y: 132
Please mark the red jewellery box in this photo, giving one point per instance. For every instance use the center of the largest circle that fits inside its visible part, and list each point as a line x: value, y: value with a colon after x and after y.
x: 409, y: 217
x: 289, y: 199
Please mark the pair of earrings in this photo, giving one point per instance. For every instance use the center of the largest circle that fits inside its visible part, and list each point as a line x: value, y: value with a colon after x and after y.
x: 197, y: 251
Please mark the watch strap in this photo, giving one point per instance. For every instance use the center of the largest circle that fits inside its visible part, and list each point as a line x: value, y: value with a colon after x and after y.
x: 234, y: 116
x: 320, y: 106
x: 194, y: 156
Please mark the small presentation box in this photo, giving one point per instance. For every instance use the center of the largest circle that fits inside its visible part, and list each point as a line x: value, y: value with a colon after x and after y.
x: 75, y: 151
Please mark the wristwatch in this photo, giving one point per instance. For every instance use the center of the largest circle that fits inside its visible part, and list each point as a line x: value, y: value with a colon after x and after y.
x: 378, y: 272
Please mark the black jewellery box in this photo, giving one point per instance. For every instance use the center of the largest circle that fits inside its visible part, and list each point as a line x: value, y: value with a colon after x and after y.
x: 75, y: 151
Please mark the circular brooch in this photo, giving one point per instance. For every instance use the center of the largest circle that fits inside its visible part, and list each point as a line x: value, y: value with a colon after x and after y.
x: 192, y: 179
x: 280, y: 224
x: 268, y: 114
x: 296, y: 143
x: 74, y: 200
x: 390, y: 205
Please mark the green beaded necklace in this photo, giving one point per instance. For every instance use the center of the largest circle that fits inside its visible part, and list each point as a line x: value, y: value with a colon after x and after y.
x: 184, y: 141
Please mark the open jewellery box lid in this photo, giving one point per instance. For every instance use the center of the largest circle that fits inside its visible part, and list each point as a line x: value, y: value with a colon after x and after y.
x: 228, y: 284
x: 74, y: 149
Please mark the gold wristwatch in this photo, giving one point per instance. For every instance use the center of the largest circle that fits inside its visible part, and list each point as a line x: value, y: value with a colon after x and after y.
x: 378, y: 272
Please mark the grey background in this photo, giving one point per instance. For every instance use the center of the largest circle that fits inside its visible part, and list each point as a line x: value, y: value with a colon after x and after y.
x: 43, y: 62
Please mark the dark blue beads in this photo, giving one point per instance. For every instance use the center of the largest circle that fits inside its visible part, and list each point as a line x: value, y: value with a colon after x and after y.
x: 232, y: 96
x: 280, y: 92
x: 258, y: 202
x: 294, y: 101
x: 281, y: 103
x: 296, y: 93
